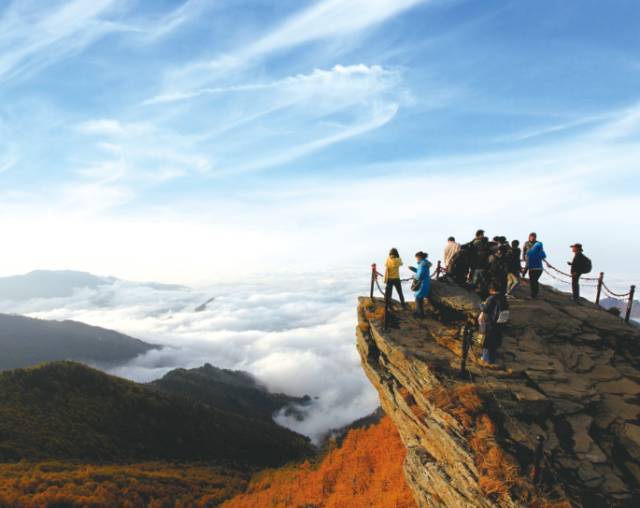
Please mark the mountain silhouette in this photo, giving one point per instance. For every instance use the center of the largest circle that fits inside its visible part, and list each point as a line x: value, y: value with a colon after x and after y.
x: 26, y: 341
x: 59, y: 284
x: 228, y: 390
x: 68, y: 411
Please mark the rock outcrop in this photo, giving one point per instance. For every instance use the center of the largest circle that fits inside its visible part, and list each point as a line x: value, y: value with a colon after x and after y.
x: 568, y: 373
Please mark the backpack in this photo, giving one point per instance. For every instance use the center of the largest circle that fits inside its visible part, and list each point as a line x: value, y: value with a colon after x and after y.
x: 586, y: 265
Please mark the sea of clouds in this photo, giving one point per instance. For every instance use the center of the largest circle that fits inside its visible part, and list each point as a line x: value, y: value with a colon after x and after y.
x: 295, y: 333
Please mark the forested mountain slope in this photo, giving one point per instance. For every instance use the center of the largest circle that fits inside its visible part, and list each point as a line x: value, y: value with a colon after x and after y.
x: 66, y: 410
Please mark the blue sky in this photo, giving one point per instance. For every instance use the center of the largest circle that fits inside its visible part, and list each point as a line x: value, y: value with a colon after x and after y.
x: 183, y: 140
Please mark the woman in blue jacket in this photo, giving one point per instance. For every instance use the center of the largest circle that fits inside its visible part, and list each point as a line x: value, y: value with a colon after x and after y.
x: 422, y: 281
x: 535, y: 257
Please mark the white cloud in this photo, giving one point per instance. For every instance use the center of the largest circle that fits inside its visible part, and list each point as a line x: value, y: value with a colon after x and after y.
x: 128, y: 156
x: 625, y: 124
x: 326, y: 81
x: 294, y: 334
x: 288, y: 118
x: 107, y: 126
x: 8, y: 160
x: 325, y: 19
x: 31, y: 38
x: 380, y: 116
x: 556, y: 189
x: 174, y: 20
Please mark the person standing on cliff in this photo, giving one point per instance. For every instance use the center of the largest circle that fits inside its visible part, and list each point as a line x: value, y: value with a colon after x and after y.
x: 580, y: 265
x: 514, y: 267
x: 458, y: 268
x: 480, y: 252
x: 392, y: 276
x: 535, y: 256
x: 421, y: 281
x: 525, y: 248
x: 499, y: 269
x: 450, y: 250
x: 489, y: 325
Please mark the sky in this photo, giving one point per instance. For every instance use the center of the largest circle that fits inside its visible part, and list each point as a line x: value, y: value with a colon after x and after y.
x: 194, y: 141
x: 266, y: 152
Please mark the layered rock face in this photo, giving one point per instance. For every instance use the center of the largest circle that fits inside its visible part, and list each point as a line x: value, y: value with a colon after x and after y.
x: 568, y: 373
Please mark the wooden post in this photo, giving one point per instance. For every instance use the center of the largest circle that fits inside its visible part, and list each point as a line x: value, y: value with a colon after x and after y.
x: 632, y: 293
x: 374, y: 270
x: 538, y: 459
x: 438, y: 269
x: 599, y: 290
x: 467, y: 338
x: 387, y: 303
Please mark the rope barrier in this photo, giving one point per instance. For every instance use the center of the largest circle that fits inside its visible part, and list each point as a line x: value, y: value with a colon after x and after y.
x: 550, y: 270
x: 556, y: 278
x: 568, y: 274
x: 613, y: 294
x: 582, y: 284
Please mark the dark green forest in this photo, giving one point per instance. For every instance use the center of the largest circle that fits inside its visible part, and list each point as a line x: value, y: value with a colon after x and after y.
x: 66, y: 410
x: 228, y: 390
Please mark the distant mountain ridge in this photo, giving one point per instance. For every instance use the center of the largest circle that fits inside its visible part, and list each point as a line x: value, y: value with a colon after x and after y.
x: 26, y: 341
x: 59, y: 284
x: 228, y: 390
x: 68, y: 411
x: 609, y: 303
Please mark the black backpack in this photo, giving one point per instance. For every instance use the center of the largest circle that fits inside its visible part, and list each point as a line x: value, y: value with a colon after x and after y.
x: 586, y: 265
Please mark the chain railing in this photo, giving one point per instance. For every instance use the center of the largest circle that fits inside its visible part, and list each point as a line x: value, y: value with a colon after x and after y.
x: 375, y: 284
x: 553, y: 272
x: 600, y: 285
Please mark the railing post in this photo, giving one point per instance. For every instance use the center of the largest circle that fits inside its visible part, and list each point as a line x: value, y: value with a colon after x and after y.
x: 374, y: 270
x: 538, y: 459
x: 387, y: 303
x: 467, y: 331
x: 599, y: 290
x: 632, y: 293
x: 438, y: 269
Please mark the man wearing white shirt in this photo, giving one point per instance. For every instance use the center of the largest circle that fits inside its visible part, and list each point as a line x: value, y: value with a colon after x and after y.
x: 450, y: 249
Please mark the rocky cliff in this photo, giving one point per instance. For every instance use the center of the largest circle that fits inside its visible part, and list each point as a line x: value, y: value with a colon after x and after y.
x: 569, y: 375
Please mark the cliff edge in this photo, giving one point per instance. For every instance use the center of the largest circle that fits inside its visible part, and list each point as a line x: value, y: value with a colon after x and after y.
x: 568, y: 374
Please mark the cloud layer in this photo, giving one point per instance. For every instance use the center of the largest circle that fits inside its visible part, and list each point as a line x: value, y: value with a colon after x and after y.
x: 294, y: 334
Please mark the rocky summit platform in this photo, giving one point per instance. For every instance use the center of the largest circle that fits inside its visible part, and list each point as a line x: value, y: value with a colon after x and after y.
x: 567, y: 383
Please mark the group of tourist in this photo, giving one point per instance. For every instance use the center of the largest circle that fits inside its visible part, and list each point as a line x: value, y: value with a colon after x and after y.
x: 492, y: 268
x: 421, y: 284
x: 482, y: 263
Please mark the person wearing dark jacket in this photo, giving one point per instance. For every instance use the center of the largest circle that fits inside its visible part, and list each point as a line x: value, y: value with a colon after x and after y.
x: 579, y: 266
x: 480, y: 253
x: 499, y: 269
x: 489, y: 325
x: 515, y: 269
x: 458, y: 268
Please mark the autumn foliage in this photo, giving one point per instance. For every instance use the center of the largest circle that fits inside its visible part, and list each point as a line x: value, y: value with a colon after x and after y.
x: 154, y: 485
x: 501, y: 477
x: 366, y: 471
